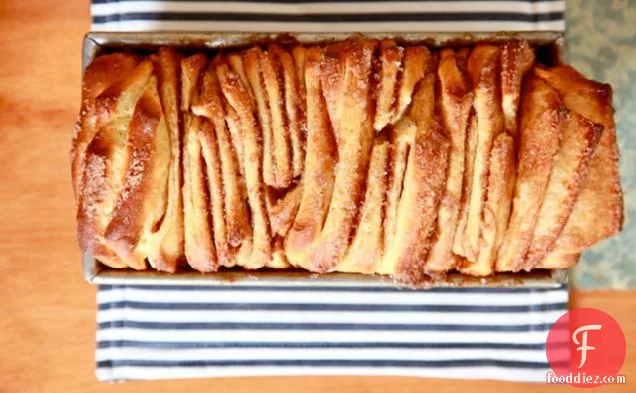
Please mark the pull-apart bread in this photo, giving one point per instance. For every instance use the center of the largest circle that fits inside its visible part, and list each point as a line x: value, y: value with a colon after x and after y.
x: 360, y: 156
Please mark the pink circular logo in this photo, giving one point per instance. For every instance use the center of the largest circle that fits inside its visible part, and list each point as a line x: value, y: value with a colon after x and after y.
x: 585, y: 348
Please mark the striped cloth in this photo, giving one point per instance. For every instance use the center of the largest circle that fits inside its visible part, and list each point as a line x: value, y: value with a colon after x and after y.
x: 256, y: 328
x: 328, y: 15
x: 267, y: 328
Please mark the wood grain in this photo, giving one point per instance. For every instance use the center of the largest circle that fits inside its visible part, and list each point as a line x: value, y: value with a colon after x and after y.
x: 47, y: 312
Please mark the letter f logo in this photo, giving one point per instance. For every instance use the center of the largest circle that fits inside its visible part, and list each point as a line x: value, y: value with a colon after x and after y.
x: 583, y: 344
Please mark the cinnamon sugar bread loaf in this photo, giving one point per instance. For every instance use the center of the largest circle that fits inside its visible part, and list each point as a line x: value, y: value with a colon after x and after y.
x: 359, y: 156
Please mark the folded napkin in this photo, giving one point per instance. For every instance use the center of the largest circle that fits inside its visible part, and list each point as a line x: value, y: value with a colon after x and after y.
x: 269, y: 328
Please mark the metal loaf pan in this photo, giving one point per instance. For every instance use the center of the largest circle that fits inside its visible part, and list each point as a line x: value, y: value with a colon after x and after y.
x: 549, y: 47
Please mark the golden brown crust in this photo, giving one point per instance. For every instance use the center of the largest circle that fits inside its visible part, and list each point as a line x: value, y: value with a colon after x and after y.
x: 235, y: 61
x: 354, y: 149
x: 539, y: 135
x: 238, y: 97
x: 318, y: 176
x: 483, y: 68
x: 415, y: 65
x: 467, y: 181
x: 366, y: 247
x: 283, y: 211
x: 275, y: 90
x: 299, y: 54
x: 463, y: 54
x: 98, y: 77
x: 142, y: 201
x: 400, y: 139
x: 417, y: 211
x: 387, y: 70
x: 579, y: 141
x: 598, y: 211
x: 555, y: 260
x: 332, y: 74
x: 212, y: 163
x: 497, y: 207
x: 191, y: 68
x: 294, y: 108
x: 106, y: 157
x: 517, y: 57
x: 423, y: 186
x: 169, y: 236
x: 212, y: 106
x: 253, y: 70
x: 354, y: 156
x: 198, y: 234
x: 236, y: 136
x: 95, y: 198
x: 279, y: 259
x: 199, y: 245
x: 455, y: 100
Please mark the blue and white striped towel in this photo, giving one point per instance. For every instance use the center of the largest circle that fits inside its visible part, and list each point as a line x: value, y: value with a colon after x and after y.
x: 261, y: 328
x: 256, y: 328
x: 328, y: 15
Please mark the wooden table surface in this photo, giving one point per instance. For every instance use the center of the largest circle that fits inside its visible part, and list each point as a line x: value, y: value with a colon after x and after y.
x: 47, y: 318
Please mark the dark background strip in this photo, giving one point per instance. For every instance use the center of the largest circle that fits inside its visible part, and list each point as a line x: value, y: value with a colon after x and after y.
x: 331, y: 18
x: 325, y: 363
x: 332, y: 307
x: 325, y: 288
x: 314, y: 345
x: 320, y: 326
